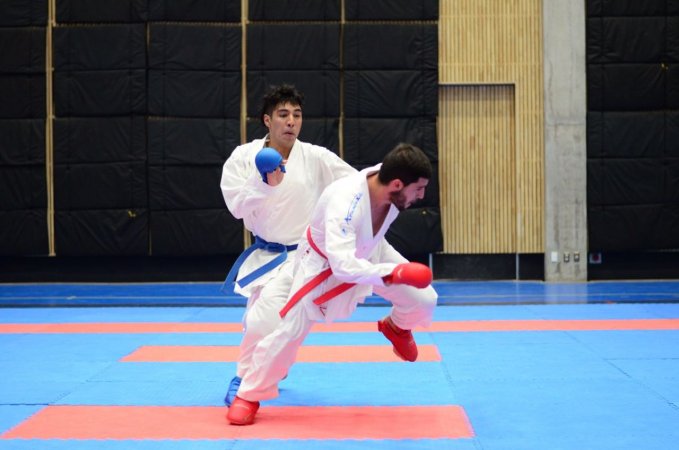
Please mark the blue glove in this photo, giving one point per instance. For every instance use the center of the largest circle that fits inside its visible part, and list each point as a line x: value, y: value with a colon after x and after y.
x: 268, y: 160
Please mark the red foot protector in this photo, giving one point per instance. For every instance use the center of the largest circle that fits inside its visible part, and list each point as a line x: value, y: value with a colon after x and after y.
x: 403, y: 341
x: 273, y: 422
x: 242, y: 412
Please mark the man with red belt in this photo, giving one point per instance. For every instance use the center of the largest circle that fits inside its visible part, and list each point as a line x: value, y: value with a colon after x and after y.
x: 273, y: 184
x: 342, y: 259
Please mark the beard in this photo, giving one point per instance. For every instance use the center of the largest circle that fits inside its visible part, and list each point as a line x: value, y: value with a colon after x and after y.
x: 398, y: 199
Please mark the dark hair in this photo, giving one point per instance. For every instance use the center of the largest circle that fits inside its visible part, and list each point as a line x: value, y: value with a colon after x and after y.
x: 405, y: 162
x: 284, y: 93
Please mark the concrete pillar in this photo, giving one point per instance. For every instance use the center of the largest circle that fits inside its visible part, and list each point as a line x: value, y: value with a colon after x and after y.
x: 565, y: 140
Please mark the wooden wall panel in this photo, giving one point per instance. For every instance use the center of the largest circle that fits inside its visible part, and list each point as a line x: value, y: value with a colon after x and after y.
x: 478, y: 169
x: 486, y: 43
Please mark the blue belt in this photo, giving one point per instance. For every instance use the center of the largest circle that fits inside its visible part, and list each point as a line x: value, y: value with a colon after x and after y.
x: 273, y: 247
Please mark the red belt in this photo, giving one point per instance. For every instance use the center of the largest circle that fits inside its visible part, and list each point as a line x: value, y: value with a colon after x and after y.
x: 315, y: 281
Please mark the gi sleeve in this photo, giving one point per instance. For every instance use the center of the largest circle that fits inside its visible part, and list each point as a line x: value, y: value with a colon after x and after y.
x: 332, y: 167
x: 340, y: 247
x: 244, y: 191
x: 389, y: 254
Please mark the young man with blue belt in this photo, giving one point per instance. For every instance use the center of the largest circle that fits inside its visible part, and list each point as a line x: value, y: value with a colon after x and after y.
x: 273, y: 184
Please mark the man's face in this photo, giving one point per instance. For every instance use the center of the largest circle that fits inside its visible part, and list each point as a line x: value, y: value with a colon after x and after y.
x: 409, y: 194
x: 284, y: 124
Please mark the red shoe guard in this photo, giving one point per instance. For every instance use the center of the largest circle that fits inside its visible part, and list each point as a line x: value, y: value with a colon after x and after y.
x: 242, y: 412
x: 402, y: 340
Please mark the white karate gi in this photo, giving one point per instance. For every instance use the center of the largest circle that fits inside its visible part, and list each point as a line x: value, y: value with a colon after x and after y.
x: 277, y: 214
x: 341, y: 228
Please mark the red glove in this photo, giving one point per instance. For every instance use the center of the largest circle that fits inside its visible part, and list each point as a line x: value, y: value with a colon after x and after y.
x: 412, y: 274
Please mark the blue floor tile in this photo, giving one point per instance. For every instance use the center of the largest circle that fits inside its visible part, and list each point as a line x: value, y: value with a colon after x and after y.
x: 522, y: 390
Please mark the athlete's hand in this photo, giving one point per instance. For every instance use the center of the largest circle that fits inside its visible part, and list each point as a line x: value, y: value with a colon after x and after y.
x: 268, y: 161
x: 411, y: 273
x: 276, y: 177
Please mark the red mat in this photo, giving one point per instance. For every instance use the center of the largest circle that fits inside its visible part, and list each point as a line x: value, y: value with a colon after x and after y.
x: 556, y: 325
x: 273, y: 422
x: 310, y: 353
x: 116, y: 327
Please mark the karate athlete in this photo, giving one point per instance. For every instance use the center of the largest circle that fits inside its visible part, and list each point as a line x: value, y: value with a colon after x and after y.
x: 343, y: 258
x: 273, y: 184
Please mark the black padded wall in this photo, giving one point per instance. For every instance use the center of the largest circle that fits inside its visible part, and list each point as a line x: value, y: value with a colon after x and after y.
x: 147, y: 99
x: 23, y: 197
x: 633, y: 125
x: 296, y: 42
x: 198, y: 11
x: 391, y: 96
x: 100, y: 186
x: 294, y: 10
x: 194, y: 116
x: 147, y: 107
x: 23, y: 13
x: 392, y: 10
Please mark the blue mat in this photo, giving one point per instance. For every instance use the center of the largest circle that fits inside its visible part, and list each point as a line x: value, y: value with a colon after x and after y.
x: 568, y: 414
x: 450, y: 293
x: 531, y: 390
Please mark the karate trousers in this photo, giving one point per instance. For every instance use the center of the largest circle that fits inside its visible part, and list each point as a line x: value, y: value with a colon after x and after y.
x: 275, y: 352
